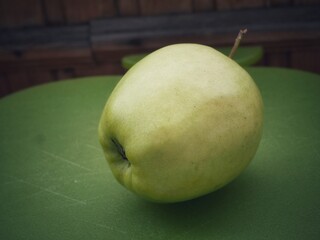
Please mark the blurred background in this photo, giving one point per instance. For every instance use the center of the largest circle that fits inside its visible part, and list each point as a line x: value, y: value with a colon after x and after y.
x: 49, y: 40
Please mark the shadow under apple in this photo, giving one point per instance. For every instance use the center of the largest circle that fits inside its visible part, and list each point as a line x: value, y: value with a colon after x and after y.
x: 217, y: 210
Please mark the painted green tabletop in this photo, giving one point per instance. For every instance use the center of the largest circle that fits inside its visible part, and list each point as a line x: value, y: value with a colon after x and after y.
x: 55, y: 183
x: 245, y: 56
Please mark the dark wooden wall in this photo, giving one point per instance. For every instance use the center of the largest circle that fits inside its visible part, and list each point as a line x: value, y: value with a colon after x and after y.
x: 48, y: 40
x: 18, y: 13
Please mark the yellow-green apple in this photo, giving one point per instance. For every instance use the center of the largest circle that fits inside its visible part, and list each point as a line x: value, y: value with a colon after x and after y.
x: 183, y: 122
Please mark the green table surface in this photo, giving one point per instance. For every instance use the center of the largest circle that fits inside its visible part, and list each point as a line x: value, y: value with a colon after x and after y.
x: 55, y: 182
x: 245, y: 56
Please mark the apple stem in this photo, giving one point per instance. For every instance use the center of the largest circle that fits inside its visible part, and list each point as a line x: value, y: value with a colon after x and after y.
x: 237, y: 42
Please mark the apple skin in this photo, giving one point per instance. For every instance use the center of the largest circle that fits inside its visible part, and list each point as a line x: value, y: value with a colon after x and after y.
x: 183, y: 122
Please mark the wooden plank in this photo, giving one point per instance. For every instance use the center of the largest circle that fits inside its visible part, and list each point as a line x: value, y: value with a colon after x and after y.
x: 156, y: 7
x: 100, y: 69
x: 61, y: 74
x: 45, y: 38
x: 63, y: 58
x: 4, y: 87
x: 238, y: 4
x: 5, y: 58
x: 59, y: 46
x: 306, y: 59
x: 129, y: 7
x: 112, y: 53
x: 277, y: 59
x: 40, y: 76
x: 46, y: 59
x: 203, y: 5
x: 16, y: 13
x: 276, y: 3
x: 108, y: 8
x: 18, y: 80
x: 79, y: 11
x: 306, y: 2
x: 53, y: 11
x: 134, y: 30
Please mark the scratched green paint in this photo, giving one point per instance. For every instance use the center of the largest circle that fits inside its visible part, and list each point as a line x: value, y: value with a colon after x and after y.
x: 55, y: 183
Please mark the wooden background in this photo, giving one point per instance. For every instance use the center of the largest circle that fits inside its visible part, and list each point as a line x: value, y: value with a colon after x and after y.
x: 49, y: 40
x: 17, y: 13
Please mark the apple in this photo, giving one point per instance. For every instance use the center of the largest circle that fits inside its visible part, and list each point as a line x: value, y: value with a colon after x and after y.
x: 181, y: 123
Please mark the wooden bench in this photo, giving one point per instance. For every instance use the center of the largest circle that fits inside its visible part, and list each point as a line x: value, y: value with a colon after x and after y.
x: 28, y: 56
